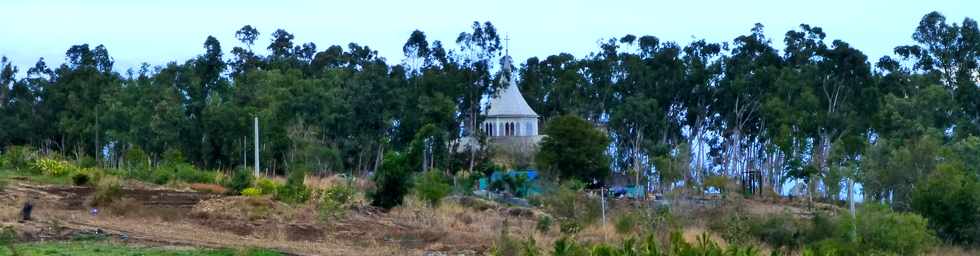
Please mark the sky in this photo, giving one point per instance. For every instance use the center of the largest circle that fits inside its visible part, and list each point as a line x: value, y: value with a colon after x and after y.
x: 158, y: 32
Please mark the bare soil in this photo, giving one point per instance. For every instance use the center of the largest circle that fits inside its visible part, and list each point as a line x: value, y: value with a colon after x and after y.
x: 157, y: 216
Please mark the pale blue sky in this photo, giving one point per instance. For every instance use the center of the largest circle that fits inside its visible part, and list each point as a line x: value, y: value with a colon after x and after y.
x: 158, y: 32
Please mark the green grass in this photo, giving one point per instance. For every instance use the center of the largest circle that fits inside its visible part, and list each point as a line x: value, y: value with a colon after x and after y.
x: 92, y: 248
x: 10, y: 175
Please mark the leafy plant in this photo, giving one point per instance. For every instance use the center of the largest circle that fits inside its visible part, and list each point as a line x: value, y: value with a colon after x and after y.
x: 295, y: 190
x: 391, y: 182
x: 54, y: 168
x: 240, y: 180
x: 107, y: 191
x: 431, y: 187
x: 267, y: 186
x: 80, y: 179
x: 544, y: 223
x: 335, y: 199
x: 251, y: 192
x: 18, y: 157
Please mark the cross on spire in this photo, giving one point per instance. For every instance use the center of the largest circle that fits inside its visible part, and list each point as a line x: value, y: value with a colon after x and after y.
x: 507, y: 45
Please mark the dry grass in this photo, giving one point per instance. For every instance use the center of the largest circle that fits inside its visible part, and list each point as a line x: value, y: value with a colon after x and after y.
x: 208, y: 188
x: 945, y: 250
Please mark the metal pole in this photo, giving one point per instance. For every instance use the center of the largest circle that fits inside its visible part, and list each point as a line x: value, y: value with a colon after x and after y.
x: 256, y: 124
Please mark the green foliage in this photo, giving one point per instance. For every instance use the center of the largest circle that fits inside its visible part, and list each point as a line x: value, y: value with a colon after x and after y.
x: 295, y: 190
x: 188, y: 173
x: 391, y: 182
x: 574, y: 149
x: 240, y: 180
x: 879, y: 229
x: 334, y: 200
x: 950, y: 199
x: 251, y: 192
x: 778, y: 230
x: 569, y: 205
x: 431, y: 186
x: 267, y: 186
x: 80, y: 179
x: 627, y: 223
x: 544, y: 223
x: 107, y: 191
x: 18, y: 158
x: 52, y: 167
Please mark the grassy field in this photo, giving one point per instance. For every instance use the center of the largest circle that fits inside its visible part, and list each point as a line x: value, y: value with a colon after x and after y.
x: 105, y: 248
x: 8, y: 176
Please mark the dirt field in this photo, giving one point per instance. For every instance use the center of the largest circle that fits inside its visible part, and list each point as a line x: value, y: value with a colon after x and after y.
x: 148, y: 215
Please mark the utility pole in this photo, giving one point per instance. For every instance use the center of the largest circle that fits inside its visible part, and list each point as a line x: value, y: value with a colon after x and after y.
x: 256, y: 124
x: 850, y: 201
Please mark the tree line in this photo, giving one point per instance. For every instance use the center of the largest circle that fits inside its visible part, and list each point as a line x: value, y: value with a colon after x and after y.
x: 677, y: 115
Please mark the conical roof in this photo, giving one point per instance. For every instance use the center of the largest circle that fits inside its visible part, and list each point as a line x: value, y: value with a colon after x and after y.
x: 509, y: 102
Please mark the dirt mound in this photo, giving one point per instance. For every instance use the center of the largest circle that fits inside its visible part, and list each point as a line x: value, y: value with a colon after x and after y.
x: 247, y: 209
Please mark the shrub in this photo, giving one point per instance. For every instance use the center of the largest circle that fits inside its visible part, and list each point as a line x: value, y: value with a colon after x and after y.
x: 544, y: 223
x: 568, y: 205
x: 950, y: 199
x: 627, y: 223
x: 391, y: 182
x: 466, y: 182
x: 53, y: 168
x: 879, y: 229
x: 334, y: 200
x: 295, y: 191
x: 188, y: 173
x: 107, y: 191
x: 240, y: 180
x: 17, y: 158
x: 251, y: 192
x: 431, y: 187
x: 778, y: 230
x: 267, y: 186
x: 80, y: 179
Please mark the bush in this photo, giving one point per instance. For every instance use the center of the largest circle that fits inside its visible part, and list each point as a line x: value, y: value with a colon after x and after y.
x: 950, y: 199
x: 80, y: 179
x: 251, y: 192
x: 295, y: 191
x: 107, y: 191
x: 334, y: 200
x: 544, y: 224
x: 569, y: 205
x: 267, y: 186
x: 880, y: 230
x: 431, y: 187
x: 627, y: 223
x: 53, y: 168
x: 391, y: 182
x: 17, y: 158
x: 188, y: 173
x: 779, y: 231
x: 240, y: 180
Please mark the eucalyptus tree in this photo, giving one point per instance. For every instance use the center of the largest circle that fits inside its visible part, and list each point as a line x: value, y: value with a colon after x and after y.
x: 749, y: 75
x: 477, y: 51
x: 951, y: 54
x: 698, y: 95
